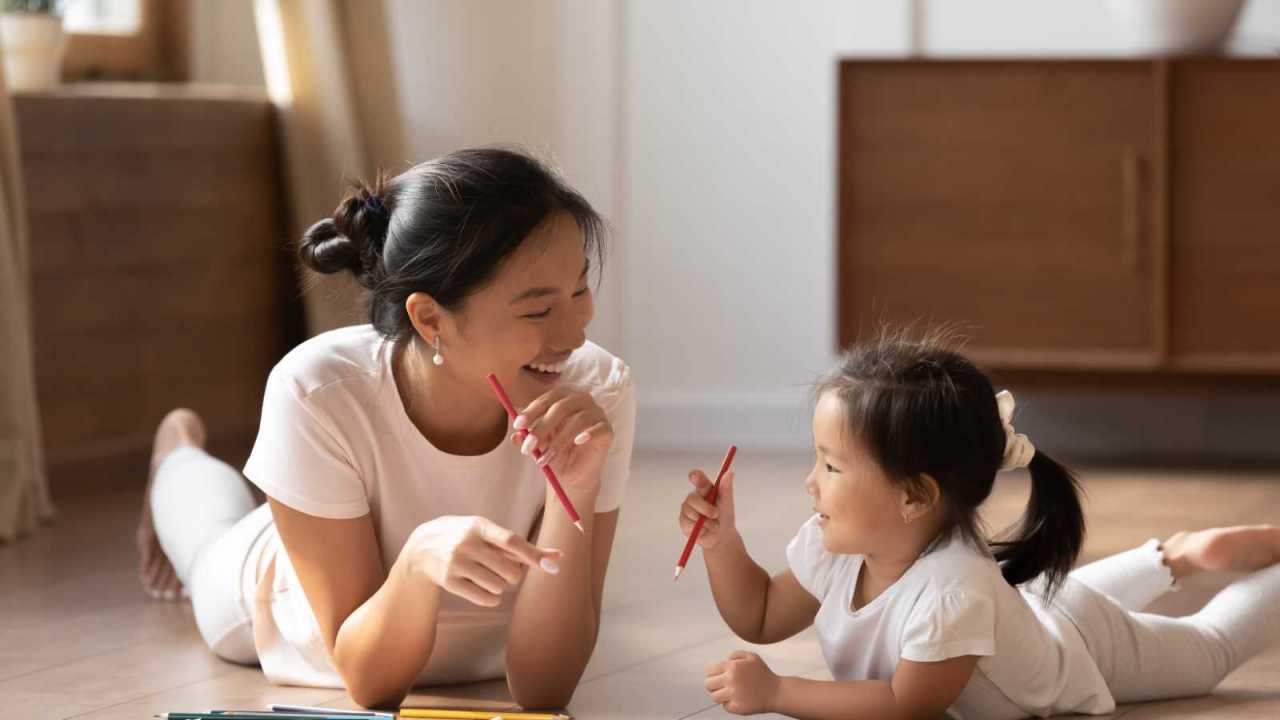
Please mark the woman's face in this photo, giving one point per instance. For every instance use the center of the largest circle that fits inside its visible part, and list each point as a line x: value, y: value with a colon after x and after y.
x: 523, y: 325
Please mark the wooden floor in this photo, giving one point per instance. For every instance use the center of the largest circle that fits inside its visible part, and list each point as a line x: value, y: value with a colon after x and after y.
x: 78, y: 639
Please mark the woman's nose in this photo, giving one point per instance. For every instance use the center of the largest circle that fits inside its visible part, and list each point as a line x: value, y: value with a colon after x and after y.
x: 572, y: 334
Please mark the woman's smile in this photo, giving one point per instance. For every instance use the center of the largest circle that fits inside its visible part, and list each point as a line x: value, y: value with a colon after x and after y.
x: 546, y: 373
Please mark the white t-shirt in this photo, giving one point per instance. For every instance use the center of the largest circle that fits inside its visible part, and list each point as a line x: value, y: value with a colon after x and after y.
x: 335, y: 442
x: 953, y: 601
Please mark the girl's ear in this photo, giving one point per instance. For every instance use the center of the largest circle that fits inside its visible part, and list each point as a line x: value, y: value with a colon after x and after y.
x: 920, y: 494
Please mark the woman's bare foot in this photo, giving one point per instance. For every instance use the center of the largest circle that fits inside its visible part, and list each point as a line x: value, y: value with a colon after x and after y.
x: 180, y: 427
x: 1244, y: 548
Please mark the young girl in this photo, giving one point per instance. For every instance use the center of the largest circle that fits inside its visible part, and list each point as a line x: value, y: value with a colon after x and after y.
x: 403, y: 541
x: 918, y: 614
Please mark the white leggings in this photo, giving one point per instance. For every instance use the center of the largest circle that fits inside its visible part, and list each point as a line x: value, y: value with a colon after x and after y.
x: 209, y: 526
x: 1153, y: 657
x: 207, y: 523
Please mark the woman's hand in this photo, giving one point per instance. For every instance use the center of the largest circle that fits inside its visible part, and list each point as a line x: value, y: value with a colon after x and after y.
x: 572, y: 432
x: 476, y: 559
x: 720, y: 517
x: 743, y: 684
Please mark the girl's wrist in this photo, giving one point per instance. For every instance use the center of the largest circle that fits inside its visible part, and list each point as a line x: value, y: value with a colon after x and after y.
x: 775, y: 699
x: 731, y: 543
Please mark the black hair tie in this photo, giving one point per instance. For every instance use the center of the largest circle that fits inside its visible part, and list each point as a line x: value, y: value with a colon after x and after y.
x: 374, y: 204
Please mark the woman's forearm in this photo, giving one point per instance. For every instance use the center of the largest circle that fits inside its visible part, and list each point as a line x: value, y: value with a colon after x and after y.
x: 555, y: 619
x: 739, y: 586
x: 383, y: 645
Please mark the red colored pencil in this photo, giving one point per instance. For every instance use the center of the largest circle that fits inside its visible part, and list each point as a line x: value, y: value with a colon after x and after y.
x: 537, y: 454
x: 697, y: 526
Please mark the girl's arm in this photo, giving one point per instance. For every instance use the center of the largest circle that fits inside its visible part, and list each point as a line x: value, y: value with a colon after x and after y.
x: 557, y: 617
x: 744, y: 685
x: 758, y: 609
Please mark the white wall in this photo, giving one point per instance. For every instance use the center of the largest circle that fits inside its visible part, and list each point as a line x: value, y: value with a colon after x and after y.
x: 729, y: 132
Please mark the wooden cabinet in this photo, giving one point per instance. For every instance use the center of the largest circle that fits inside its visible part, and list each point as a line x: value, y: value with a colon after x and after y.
x: 1224, y: 230
x: 160, y: 273
x: 1066, y: 214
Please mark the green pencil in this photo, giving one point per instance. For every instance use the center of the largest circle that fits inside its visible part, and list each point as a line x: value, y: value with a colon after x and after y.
x: 248, y: 715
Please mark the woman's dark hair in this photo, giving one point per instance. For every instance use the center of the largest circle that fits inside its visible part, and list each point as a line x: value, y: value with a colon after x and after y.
x: 442, y: 227
x: 919, y: 407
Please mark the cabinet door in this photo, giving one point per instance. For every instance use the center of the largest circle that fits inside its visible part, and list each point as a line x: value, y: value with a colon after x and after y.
x: 1012, y: 198
x: 1225, y: 212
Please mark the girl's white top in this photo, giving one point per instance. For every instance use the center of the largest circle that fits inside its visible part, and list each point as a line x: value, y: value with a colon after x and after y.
x: 335, y: 442
x: 953, y: 601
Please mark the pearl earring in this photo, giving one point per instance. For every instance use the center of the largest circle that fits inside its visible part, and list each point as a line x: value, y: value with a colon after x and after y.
x: 438, y: 359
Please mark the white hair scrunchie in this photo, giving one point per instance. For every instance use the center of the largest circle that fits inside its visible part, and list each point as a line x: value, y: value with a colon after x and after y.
x: 1018, y: 450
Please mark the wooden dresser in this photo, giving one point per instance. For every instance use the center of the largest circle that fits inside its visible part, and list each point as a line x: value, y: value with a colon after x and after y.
x: 1072, y: 215
x: 160, y: 274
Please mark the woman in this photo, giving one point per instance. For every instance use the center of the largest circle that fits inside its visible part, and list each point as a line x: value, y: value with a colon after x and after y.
x: 420, y: 548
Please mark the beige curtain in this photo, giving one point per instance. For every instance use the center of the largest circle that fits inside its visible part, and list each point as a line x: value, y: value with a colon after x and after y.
x: 24, y: 490
x: 331, y: 92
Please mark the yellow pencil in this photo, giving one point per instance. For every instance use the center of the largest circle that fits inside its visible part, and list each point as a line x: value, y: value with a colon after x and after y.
x: 434, y: 714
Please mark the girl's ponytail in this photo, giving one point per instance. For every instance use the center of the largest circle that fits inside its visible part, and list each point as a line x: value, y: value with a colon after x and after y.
x: 1051, y: 532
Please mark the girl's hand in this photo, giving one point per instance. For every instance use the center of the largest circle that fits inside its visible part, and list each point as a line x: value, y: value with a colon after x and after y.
x: 572, y: 432
x: 720, y: 517
x: 743, y: 684
x: 476, y: 559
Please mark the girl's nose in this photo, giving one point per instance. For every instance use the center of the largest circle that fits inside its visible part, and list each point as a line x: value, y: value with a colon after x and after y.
x: 810, y: 486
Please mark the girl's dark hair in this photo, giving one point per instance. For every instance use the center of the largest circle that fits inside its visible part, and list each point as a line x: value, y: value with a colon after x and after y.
x: 442, y: 227
x: 919, y: 407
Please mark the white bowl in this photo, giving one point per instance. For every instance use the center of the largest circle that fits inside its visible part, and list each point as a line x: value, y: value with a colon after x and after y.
x: 1173, y: 26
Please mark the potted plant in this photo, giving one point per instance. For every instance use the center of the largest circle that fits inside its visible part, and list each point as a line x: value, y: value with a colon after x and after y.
x: 32, y: 43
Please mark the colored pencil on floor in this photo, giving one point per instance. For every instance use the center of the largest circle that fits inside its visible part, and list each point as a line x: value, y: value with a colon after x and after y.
x: 355, y: 714
x: 251, y: 715
x: 443, y: 714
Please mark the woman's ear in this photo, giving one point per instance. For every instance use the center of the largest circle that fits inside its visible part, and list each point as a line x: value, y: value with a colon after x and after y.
x: 427, y: 316
x: 920, y: 495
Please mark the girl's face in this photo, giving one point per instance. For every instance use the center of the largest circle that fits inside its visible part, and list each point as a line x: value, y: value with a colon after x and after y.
x: 860, y: 509
x: 524, y: 324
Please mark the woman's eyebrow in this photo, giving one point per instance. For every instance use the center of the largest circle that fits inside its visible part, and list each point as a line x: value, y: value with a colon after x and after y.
x: 538, y: 292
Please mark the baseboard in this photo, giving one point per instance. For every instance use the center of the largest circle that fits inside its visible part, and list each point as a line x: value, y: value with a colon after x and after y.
x: 1216, y: 428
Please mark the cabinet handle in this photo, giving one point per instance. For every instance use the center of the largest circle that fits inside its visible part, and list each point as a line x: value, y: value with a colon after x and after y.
x: 1130, y: 223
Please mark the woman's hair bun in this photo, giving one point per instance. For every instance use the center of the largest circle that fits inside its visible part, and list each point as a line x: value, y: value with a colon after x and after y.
x: 353, y: 237
x: 326, y: 250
